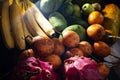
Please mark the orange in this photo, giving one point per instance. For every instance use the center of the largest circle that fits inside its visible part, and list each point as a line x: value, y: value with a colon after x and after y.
x: 101, y: 49
x: 96, y: 32
x: 95, y: 17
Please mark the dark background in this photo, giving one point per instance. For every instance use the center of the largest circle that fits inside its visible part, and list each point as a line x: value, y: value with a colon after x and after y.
x: 8, y: 58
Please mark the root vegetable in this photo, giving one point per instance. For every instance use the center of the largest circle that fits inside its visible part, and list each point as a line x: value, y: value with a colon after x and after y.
x: 59, y: 47
x: 27, y: 53
x: 70, y: 39
x: 54, y: 59
x: 75, y: 51
x: 86, y: 48
x: 42, y: 46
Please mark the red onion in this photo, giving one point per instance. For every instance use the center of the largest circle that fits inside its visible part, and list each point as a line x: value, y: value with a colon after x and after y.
x: 81, y: 68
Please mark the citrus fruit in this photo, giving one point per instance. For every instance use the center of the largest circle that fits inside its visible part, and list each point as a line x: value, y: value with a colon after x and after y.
x: 95, y: 17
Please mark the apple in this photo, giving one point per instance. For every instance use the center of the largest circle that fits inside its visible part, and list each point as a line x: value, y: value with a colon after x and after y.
x: 77, y: 10
x: 87, y: 8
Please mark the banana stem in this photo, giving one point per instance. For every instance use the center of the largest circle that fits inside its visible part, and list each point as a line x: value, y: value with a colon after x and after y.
x: 29, y: 39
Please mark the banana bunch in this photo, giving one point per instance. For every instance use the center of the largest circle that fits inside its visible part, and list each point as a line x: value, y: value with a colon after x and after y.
x: 20, y: 18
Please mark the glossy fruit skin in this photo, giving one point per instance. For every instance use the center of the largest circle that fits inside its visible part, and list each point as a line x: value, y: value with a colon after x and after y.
x: 101, y: 49
x: 79, y: 29
x: 96, y: 32
x: 87, y: 8
x: 95, y: 17
x: 58, y: 21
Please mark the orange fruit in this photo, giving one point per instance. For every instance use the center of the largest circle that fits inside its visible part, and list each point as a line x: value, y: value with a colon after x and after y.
x: 96, y: 32
x: 95, y: 17
x: 101, y: 49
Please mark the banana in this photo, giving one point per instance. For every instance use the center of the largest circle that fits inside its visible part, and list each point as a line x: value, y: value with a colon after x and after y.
x: 17, y: 25
x: 41, y: 20
x: 6, y: 28
x: 23, y: 8
x: 32, y: 25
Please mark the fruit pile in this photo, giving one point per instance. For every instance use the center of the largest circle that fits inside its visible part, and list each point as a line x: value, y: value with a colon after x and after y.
x: 59, y: 39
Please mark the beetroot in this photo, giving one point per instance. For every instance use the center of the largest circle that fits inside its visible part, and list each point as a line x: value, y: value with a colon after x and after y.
x: 34, y: 69
x: 81, y: 68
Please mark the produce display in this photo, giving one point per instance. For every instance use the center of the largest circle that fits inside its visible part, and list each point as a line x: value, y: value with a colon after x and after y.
x: 60, y: 39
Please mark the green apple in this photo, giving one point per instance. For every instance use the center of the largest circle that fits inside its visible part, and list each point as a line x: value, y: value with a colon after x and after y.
x: 87, y: 8
x: 77, y: 10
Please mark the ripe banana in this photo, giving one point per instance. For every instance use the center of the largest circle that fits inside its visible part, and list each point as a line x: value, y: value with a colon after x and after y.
x: 23, y: 8
x: 32, y: 25
x: 42, y: 21
x: 6, y: 28
x: 17, y: 26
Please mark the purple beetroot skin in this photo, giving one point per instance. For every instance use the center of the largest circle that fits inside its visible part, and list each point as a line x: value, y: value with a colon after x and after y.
x: 81, y: 68
x: 34, y: 69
